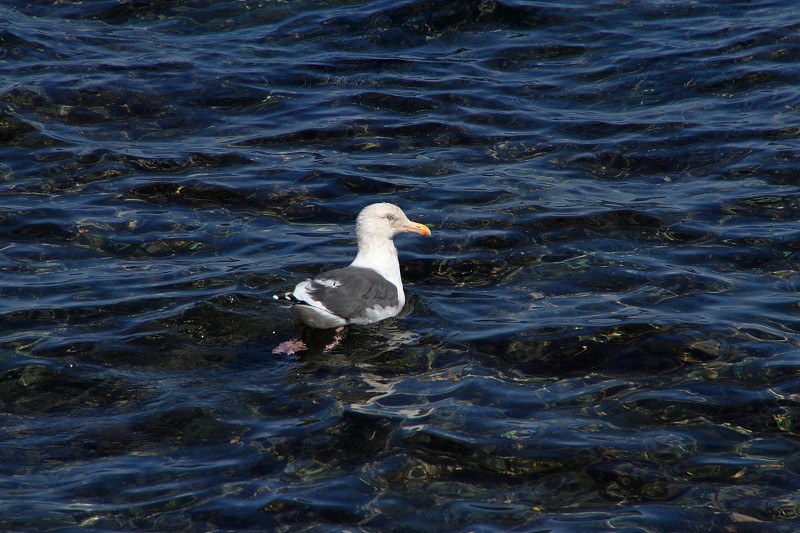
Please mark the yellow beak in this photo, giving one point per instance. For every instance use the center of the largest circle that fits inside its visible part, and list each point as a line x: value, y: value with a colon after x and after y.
x: 416, y: 227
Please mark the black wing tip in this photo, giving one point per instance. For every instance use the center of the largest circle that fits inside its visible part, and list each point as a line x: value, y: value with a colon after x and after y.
x: 287, y: 296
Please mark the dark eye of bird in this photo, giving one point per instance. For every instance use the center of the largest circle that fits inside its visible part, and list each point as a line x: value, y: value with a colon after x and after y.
x: 390, y: 217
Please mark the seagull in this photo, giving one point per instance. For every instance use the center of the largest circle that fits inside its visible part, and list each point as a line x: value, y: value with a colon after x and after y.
x: 369, y: 289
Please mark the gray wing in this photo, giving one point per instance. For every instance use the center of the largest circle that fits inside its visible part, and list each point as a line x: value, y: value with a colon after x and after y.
x: 348, y: 292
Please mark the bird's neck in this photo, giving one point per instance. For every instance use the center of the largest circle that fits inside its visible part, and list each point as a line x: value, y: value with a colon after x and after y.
x: 379, y: 255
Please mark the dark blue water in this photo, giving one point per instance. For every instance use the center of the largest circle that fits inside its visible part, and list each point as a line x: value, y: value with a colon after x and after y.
x: 602, y: 334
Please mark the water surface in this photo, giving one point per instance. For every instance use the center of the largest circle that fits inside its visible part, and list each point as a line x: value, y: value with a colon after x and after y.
x: 601, y: 334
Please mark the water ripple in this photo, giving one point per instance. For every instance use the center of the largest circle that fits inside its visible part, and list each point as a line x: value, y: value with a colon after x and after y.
x: 601, y: 333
